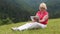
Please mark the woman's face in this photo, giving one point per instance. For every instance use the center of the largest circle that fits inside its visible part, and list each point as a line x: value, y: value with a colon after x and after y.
x: 42, y: 9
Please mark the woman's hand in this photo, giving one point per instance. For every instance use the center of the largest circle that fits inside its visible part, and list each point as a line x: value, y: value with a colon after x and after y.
x: 35, y: 20
x: 44, y: 18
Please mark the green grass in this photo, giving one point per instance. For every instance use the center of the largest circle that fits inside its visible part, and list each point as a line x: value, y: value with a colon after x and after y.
x: 53, y: 28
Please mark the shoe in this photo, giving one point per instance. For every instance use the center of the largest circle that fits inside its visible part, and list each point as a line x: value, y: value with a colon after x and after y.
x: 14, y: 28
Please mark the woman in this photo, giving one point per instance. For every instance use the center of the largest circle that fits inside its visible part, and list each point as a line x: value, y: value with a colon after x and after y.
x: 42, y: 21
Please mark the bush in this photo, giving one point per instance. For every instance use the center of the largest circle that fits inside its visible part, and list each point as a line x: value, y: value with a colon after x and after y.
x: 5, y: 21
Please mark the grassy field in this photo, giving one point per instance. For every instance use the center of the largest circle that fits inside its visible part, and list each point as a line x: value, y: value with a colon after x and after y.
x: 53, y: 28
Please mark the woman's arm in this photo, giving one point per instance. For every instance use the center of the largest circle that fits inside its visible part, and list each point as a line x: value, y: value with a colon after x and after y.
x: 34, y: 18
x: 44, y: 18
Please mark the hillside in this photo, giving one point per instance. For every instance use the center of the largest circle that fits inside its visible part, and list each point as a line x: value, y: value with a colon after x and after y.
x: 52, y: 28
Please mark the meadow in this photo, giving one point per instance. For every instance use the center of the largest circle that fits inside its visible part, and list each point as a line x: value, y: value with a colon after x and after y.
x: 53, y: 27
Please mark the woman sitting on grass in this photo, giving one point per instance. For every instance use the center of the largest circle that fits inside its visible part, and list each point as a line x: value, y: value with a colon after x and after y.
x: 38, y: 21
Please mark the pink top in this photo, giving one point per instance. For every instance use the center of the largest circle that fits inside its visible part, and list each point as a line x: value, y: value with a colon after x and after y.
x: 41, y: 15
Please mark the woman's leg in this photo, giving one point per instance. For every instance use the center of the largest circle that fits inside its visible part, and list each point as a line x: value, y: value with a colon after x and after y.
x: 26, y: 26
x: 30, y: 26
x: 23, y: 27
x: 42, y: 25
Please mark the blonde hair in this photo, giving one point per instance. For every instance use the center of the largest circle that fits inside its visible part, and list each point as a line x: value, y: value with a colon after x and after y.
x: 43, y: 5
